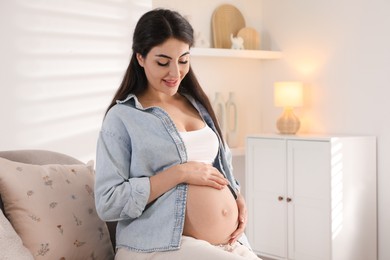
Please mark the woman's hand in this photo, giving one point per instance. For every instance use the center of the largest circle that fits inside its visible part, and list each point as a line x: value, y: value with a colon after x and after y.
x: 202, y: 174
x: 194, y: 173
x: 242, y: 219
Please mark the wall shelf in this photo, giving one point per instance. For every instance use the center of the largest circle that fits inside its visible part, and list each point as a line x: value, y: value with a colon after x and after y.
x: 230, y: 53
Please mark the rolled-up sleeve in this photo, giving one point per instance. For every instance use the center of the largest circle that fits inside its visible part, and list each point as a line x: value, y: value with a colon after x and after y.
x: 138, y: 198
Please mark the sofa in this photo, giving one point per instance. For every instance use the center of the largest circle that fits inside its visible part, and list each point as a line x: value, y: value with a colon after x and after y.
x: 48, y: 210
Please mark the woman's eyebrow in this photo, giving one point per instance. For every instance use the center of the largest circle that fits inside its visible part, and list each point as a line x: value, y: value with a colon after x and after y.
x: 167, y: 57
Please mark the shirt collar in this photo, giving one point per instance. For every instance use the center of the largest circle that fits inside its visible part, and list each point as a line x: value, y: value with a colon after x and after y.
x: 138, y: 104
x: 133, y: 97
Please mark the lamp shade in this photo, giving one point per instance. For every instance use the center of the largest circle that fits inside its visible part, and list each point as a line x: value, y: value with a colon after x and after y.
x: 288, y: 94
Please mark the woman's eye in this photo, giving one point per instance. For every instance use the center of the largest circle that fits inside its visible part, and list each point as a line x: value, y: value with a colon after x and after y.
x: 163, y: 64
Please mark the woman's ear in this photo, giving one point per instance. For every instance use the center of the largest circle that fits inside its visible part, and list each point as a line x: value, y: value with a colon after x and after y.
x: 140, y: 59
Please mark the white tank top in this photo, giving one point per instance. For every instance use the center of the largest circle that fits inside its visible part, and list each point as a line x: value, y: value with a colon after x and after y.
x: 201, y: 145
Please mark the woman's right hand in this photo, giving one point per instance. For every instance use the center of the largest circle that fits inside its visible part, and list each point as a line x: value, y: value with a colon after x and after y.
x: 195, y: 173
x: 202, y: 174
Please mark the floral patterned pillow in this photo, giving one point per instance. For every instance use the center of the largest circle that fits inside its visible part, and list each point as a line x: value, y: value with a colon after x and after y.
x: 52, y: 209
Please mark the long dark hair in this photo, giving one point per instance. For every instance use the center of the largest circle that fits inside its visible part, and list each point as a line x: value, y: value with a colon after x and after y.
x: 153, y: 29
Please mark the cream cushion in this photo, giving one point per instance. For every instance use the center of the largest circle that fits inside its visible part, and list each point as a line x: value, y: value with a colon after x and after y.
x: 11, y: 246
x: 52, y: 209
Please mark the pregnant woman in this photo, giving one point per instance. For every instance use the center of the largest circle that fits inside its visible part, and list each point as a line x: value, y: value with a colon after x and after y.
x: 163, y: 170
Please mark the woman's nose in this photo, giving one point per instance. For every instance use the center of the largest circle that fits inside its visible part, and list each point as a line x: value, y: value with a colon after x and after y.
x: 174, y: 70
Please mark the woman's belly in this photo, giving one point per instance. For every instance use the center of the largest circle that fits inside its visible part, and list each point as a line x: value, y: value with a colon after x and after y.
x: 211, y: 214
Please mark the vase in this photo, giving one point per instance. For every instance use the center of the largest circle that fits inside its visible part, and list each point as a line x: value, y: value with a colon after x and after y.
x: 220, y: 112
x: 232, y: 123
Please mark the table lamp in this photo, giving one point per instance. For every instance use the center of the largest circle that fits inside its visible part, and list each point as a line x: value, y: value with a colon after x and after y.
x: 288, y: 94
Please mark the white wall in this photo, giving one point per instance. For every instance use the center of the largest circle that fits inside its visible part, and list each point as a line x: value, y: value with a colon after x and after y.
x: 61, y: 63
x: 340, y: 50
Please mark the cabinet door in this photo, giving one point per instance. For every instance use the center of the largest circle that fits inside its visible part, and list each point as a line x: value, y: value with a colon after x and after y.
x: 309, y: 175
x: 266, y: 194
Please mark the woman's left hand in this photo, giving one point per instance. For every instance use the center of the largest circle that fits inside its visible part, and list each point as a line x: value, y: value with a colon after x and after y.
x: 242, y: 218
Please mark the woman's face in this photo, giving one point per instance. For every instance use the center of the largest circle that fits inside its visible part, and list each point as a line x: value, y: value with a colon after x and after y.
x: 166, y: 65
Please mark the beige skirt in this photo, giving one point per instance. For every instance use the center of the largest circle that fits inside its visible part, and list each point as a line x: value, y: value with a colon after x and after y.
x: 192, y: 248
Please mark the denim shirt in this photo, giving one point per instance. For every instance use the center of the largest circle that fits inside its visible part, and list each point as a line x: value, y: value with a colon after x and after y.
x: 134, y: 144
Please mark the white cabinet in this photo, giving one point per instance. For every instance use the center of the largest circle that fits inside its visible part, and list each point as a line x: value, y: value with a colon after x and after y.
x: 312, y: 198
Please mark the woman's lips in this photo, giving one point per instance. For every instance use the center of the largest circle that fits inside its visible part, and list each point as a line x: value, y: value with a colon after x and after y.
x: 171, y: 83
